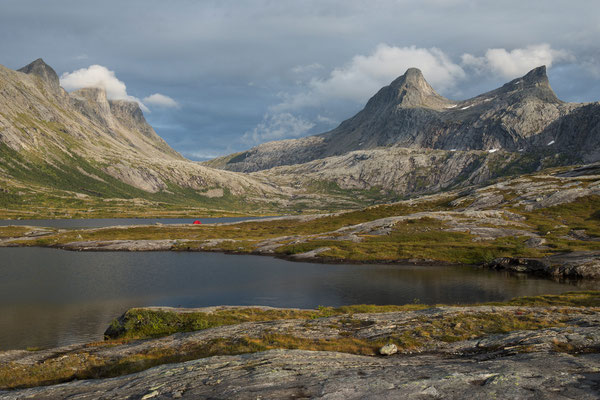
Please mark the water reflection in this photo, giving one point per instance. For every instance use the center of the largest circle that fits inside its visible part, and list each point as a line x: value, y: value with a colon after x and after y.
x: 51, y: 297
x: 104, y: 222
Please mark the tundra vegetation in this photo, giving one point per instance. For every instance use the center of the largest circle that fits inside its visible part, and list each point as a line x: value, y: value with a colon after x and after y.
x: 472, y: 227
x: 140, y: 338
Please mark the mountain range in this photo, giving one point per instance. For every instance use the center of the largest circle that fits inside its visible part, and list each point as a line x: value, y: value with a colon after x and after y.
x: 524, y: 115
x: 83, y: 151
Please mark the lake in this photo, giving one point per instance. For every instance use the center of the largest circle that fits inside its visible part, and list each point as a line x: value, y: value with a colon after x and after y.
x: 52, y: 297
x: 76, y: 223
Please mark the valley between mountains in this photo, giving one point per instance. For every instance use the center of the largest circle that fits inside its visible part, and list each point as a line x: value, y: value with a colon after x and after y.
x: 552, y: 216
x: 511, y: 174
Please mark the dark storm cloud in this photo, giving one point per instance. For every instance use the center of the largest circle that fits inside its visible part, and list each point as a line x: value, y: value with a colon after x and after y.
x: 237, y: 69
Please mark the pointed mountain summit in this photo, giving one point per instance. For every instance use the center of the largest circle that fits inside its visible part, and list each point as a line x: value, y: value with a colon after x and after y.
x: 533, y: 84
x: 408, y: 90
x: 44, y: 71
x: 537, y: 76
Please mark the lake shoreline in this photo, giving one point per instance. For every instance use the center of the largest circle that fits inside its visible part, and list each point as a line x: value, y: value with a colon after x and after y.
x: 490, y: 347
x: 570, y: 266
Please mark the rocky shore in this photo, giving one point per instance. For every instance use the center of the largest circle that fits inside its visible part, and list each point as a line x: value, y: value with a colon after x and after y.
x: 575, y: 265
x: 507, y: 351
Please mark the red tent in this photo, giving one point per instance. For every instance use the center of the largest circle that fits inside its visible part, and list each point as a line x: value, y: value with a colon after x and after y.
x: 196, y: 222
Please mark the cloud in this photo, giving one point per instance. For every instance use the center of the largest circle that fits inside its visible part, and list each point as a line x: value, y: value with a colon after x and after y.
x: 100, y: 77
x: 309, y: 68
x: 592, y: 66
x: 517, y: 62
x: 95, y: 76
x: 327, y: 120
x: 201, y: 155
x: 160, y: 100
x: 365, y: 74
x: 276, y: 126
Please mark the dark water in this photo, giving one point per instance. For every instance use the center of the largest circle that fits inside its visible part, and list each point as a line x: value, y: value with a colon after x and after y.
x: 52, y: 297
x: 103, y: 222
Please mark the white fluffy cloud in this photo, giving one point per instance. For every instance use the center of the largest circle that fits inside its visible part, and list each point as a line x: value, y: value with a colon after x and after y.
x: 365, y: 74
x: 275, y: 126
x: 101, y: 77
x: 160, y: 100
x: 96, y: 76
x: 517, y: 62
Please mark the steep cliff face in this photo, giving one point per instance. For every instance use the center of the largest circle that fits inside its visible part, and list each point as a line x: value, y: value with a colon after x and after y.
x: 524, y: 115
x: 93, y: 103
x: 123, y: 120
x: 576, y: 133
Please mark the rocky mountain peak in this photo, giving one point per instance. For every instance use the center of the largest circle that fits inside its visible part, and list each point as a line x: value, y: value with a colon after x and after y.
x: 91, y: 99
x: 524, y: 116
x: 130, y: 115
x: 533, y: 84
x: 537, y: 76
x: 44, y: 71
x: 407, y: 91
x: 414, y: 77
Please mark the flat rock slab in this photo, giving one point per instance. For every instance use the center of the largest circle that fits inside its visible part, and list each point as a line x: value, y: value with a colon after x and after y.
x: 515, y: 365
x: 296, y: 374
x: 120, y: 245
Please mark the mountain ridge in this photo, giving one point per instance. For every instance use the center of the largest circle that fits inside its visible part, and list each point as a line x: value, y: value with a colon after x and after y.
x: 60, y: 150
x: 522, y: 115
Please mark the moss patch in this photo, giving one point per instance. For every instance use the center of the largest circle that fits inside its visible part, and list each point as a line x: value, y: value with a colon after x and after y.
x: 423, y: 239
x: 146, y: 323
x: 13, y: 231
x: 140, y: 323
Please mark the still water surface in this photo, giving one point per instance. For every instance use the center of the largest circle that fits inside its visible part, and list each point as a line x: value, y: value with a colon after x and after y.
x: 53, y: 297
x: 103, y: 222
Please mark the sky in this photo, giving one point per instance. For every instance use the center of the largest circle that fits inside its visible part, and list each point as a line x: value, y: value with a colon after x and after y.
x: 217, y: 77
